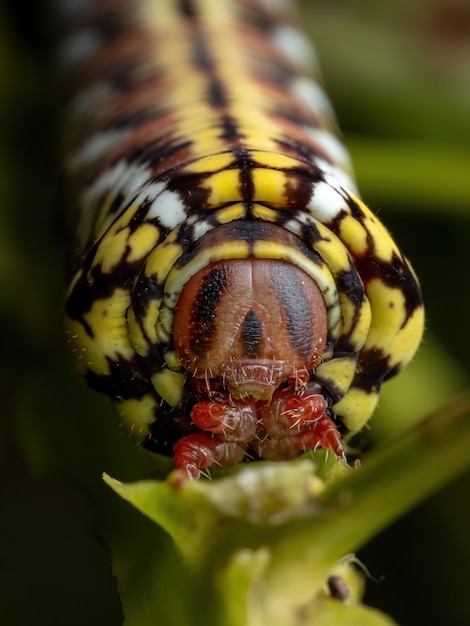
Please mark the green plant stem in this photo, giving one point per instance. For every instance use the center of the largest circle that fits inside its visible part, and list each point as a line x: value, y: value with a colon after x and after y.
x: 394, y: 478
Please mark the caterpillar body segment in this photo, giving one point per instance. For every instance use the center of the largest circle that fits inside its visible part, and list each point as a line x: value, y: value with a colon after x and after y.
x: 233, y: 295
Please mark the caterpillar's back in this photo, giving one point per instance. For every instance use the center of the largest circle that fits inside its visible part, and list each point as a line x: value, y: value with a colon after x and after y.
x: 234, y: 297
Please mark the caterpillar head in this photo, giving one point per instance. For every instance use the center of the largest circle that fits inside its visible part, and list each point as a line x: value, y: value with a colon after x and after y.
x: 250, y: 325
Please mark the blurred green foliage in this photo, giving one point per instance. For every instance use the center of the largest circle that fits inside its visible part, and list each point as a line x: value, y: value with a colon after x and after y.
x: 398, y: 76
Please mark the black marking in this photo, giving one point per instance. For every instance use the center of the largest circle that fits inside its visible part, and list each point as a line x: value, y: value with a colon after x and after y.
x: 97, y: 286
x: 335, y: 391
x: 299, y: 193
x: 251, y: 335
x: 125, y: 380
x: 154, y: 153
x: 395, y: 274
x: 230, y: 131
x: 140, y: 215
x: 296, y: 308
x: 190, y: 189
x: 145, y: 290
x: 350, y: 285
x: 124, y: 75
x: 138, y: 117
x: 217, y: 94
x: 299, y: 150
x: 255, y: 16
x: 94, y: 286
x: 309, y: 233
x: 296, y: 115
x: 201, y: 57
x: 372, y: 367
x: 187, y: 8
x: 115, y: 206
x: 245, y: 164
x: 167, y: 430
x: 266, y: 72
x: 204, y: 311
x: 358, y: 214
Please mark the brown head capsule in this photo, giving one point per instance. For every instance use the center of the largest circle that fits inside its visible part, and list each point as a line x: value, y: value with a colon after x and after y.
x: 251, y: 332
x: 249, y: 325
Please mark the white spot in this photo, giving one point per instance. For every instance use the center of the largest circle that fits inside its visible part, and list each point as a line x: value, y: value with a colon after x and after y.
x: 168, y: 208
x: 294, y: 226
x: 325, y: 202
x: 334, y: 184
x: 123, y: 177
x: 331, y: 145
x: 201, y: 227
x: 295, y: 46
x: 96, y: 149
x: 150, y: 192
x: 342, y: 177
x: 78, y: 47
x: 313, y: 96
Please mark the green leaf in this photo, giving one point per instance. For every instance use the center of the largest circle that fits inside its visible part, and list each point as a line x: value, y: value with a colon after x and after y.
x: 328, y: 612
x: 265, y: 538
x: 197, y: 514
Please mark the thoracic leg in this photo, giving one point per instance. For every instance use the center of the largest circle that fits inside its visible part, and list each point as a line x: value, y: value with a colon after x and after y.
x: 198, y: 451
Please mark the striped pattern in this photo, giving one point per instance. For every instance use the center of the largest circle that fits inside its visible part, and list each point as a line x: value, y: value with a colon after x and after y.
x: 196, y: 132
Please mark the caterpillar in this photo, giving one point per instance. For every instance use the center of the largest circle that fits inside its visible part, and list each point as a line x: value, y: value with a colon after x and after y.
x: 232, y: 294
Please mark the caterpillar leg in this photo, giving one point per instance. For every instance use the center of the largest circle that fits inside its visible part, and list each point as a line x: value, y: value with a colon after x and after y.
x: 235, y: 420
x: 196, y: 452
x: 238, y: 420
x: 289, y: 413
x: 322, y: 434
x: 291, y: 423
